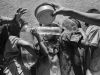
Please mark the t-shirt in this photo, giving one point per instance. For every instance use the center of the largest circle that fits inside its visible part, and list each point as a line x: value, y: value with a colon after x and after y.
x: 21, y: 54
x: 47, y: 67
x: 92, y: 33
x: 69, y: 47
x: 10, y: 52
x: 93, y: 37
x: 48, y: 64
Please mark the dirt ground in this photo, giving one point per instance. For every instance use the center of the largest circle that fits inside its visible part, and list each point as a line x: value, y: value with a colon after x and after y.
x: 9, y: 7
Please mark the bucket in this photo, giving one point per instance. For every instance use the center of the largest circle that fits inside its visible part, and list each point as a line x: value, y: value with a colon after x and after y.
x: 44, y: 12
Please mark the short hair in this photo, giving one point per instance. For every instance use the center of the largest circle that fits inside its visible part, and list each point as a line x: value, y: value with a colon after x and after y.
x: 92, y: 11
x: 70, y: 23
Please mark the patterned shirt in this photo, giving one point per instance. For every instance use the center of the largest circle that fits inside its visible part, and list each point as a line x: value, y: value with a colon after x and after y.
x: 93, y: 37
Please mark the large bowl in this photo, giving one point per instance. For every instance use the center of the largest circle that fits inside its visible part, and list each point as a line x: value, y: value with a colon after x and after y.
x: 43, y: 13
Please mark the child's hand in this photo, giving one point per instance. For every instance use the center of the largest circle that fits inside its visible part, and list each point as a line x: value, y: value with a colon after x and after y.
x: 36, y: 34
x: 19, y: 13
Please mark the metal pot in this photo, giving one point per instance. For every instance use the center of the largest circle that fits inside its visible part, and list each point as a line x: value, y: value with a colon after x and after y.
x: 43, y: 13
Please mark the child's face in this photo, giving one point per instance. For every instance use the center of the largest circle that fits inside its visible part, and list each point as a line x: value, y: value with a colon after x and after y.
x: 52, y: 47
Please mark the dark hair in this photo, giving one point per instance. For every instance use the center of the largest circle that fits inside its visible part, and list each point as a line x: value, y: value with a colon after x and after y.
x: 3, y: 37
x: 43, y: 5
x: 15, y: 27
x: 92, y: 11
